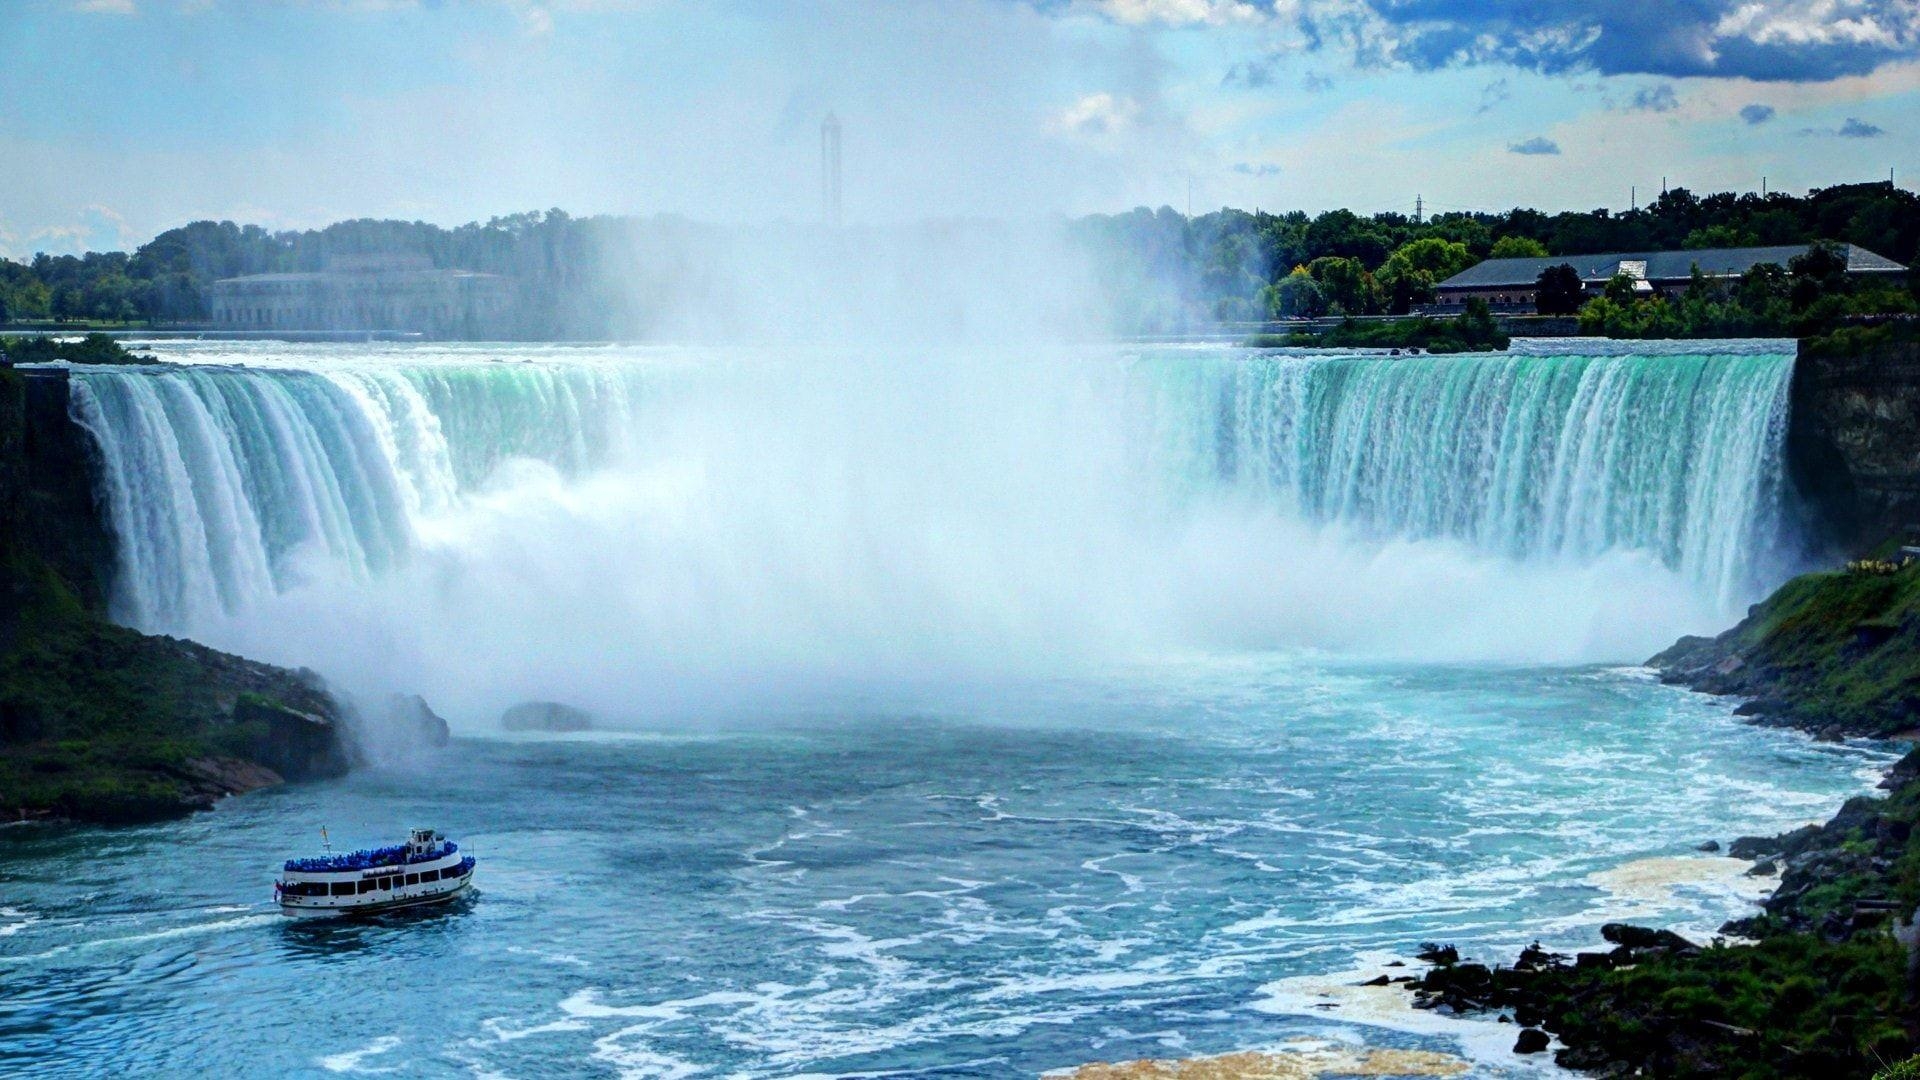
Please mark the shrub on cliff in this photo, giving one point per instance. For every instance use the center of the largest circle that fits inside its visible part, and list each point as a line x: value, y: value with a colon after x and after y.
x: 92, y: 349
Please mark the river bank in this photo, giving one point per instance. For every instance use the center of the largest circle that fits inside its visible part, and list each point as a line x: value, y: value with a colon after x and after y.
x: 1821, y: 981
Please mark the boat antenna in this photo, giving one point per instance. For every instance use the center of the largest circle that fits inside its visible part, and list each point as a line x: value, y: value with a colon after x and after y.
x: 324, y: 842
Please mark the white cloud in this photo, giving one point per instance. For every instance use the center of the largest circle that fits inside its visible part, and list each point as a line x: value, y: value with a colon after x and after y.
x: 1178, y: 12
x: 1095, y: 114
x: 106, y: 7
x: 1819, y: 22
x: 94, y: 228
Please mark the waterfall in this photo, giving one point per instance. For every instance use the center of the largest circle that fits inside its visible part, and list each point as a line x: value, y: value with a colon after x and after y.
x: 1571, y: 451
x: 220, y: 483
x: 227, y: 485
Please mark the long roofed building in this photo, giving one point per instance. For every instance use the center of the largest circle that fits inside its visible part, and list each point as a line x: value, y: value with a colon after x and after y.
x: 1511, y: 283
x: 377, y: 293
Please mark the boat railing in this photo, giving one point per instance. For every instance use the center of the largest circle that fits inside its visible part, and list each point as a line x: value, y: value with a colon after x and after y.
x: 368, y: 859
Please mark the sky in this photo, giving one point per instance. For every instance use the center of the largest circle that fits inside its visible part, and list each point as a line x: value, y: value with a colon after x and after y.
x: 122, y: 118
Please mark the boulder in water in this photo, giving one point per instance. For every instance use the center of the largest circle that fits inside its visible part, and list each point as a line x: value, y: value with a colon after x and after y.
x: 546, y: 716
x: 415, y: 722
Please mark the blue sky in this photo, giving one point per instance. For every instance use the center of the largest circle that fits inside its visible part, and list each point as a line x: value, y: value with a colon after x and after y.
x: 119, y: 118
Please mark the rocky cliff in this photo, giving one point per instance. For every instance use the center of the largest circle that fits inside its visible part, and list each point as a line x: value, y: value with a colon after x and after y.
x: 1836, y: 653
x: 1853, y: 444
x: 99, y: 722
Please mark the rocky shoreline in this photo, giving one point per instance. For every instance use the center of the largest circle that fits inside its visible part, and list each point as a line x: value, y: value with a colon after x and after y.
x: 1823, y: 981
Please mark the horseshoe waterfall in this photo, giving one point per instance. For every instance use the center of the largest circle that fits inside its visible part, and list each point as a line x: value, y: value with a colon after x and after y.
x: 1108, y: 490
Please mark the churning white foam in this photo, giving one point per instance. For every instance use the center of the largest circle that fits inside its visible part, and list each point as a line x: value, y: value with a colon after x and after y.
x: 648, y: 532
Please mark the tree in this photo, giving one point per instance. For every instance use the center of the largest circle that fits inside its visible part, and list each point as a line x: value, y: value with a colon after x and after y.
x: 1620, y: 288
x: 1518, y: 247
x: 1349, y: 289
x: 1720, y: 236
x: 32, y: 300
x: 1462, y: 229
x: 68, y: 302
x: 1558, y: 291
x: 1296, y: 296
x: 1411, y: 272
x: 1822, y: 271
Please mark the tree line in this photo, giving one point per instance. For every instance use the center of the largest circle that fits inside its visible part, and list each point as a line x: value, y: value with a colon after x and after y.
x: 1160, y: 271
x: 1176, y: 273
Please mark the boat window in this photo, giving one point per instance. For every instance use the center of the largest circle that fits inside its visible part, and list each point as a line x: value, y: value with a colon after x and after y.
x: 430, y: 875
x: 343, y: 888
x: 366, y: 884
x: 413, y: 879
x: 386, y: 883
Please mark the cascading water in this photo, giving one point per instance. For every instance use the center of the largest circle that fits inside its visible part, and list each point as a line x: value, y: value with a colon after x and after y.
x: 221, y: 481
x: 1568, y: 451
x: 808, y: 513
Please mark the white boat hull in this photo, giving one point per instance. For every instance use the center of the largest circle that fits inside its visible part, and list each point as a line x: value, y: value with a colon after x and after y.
x: 315, y: 910
x: 426, y: 870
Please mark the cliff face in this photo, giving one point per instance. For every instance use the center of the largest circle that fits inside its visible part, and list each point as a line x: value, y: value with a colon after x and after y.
x: 99, y: 722
x: 62, y: 520
x: 1853, y: 445
x: 1837, y: 653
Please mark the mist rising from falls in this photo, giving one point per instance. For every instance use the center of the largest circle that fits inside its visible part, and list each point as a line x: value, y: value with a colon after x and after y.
x: 659, y: 529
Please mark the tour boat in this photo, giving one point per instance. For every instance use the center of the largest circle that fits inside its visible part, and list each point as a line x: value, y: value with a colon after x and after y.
x: 427, y: 869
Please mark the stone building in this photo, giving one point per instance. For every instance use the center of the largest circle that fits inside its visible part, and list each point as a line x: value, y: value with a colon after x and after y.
x: 376, y: 294
x: 1509, y: 284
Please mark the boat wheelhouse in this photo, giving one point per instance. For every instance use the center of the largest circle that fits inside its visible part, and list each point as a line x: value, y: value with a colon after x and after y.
x: 427, y: 869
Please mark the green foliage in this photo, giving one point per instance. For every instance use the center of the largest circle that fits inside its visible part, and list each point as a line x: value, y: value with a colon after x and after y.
x: 1296, y: 296
x: 1807, y: 298
x: 1410, y: 273
x: 1792, y: 1005
x: 1806, y: 638
x: 1558, y: 290
x: 1720, y: 236
x: 1905, y: 1070
x: 100, y: 722
x: 91, y: 349
x: 1518, y: 247
x: 1474, y: 330
x: 1348, y: 287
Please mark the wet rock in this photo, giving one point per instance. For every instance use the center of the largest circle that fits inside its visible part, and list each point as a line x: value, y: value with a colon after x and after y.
x: 1760, y: 847
x: 1437, y: 954
x: 298, y: 745
x: 416, y: 722
x: 1380, y: 980
x: 546, y: 716
x: 1710, y: 846
x: 1531, y: 1041
x: 1534, y: 958
x: 1764, y: 868
x: 1629, y: 936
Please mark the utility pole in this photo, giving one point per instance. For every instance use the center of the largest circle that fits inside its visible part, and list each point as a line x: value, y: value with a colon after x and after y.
x: 1633, y: 198
x: 1419, y: 208
x: 1763, y: 187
